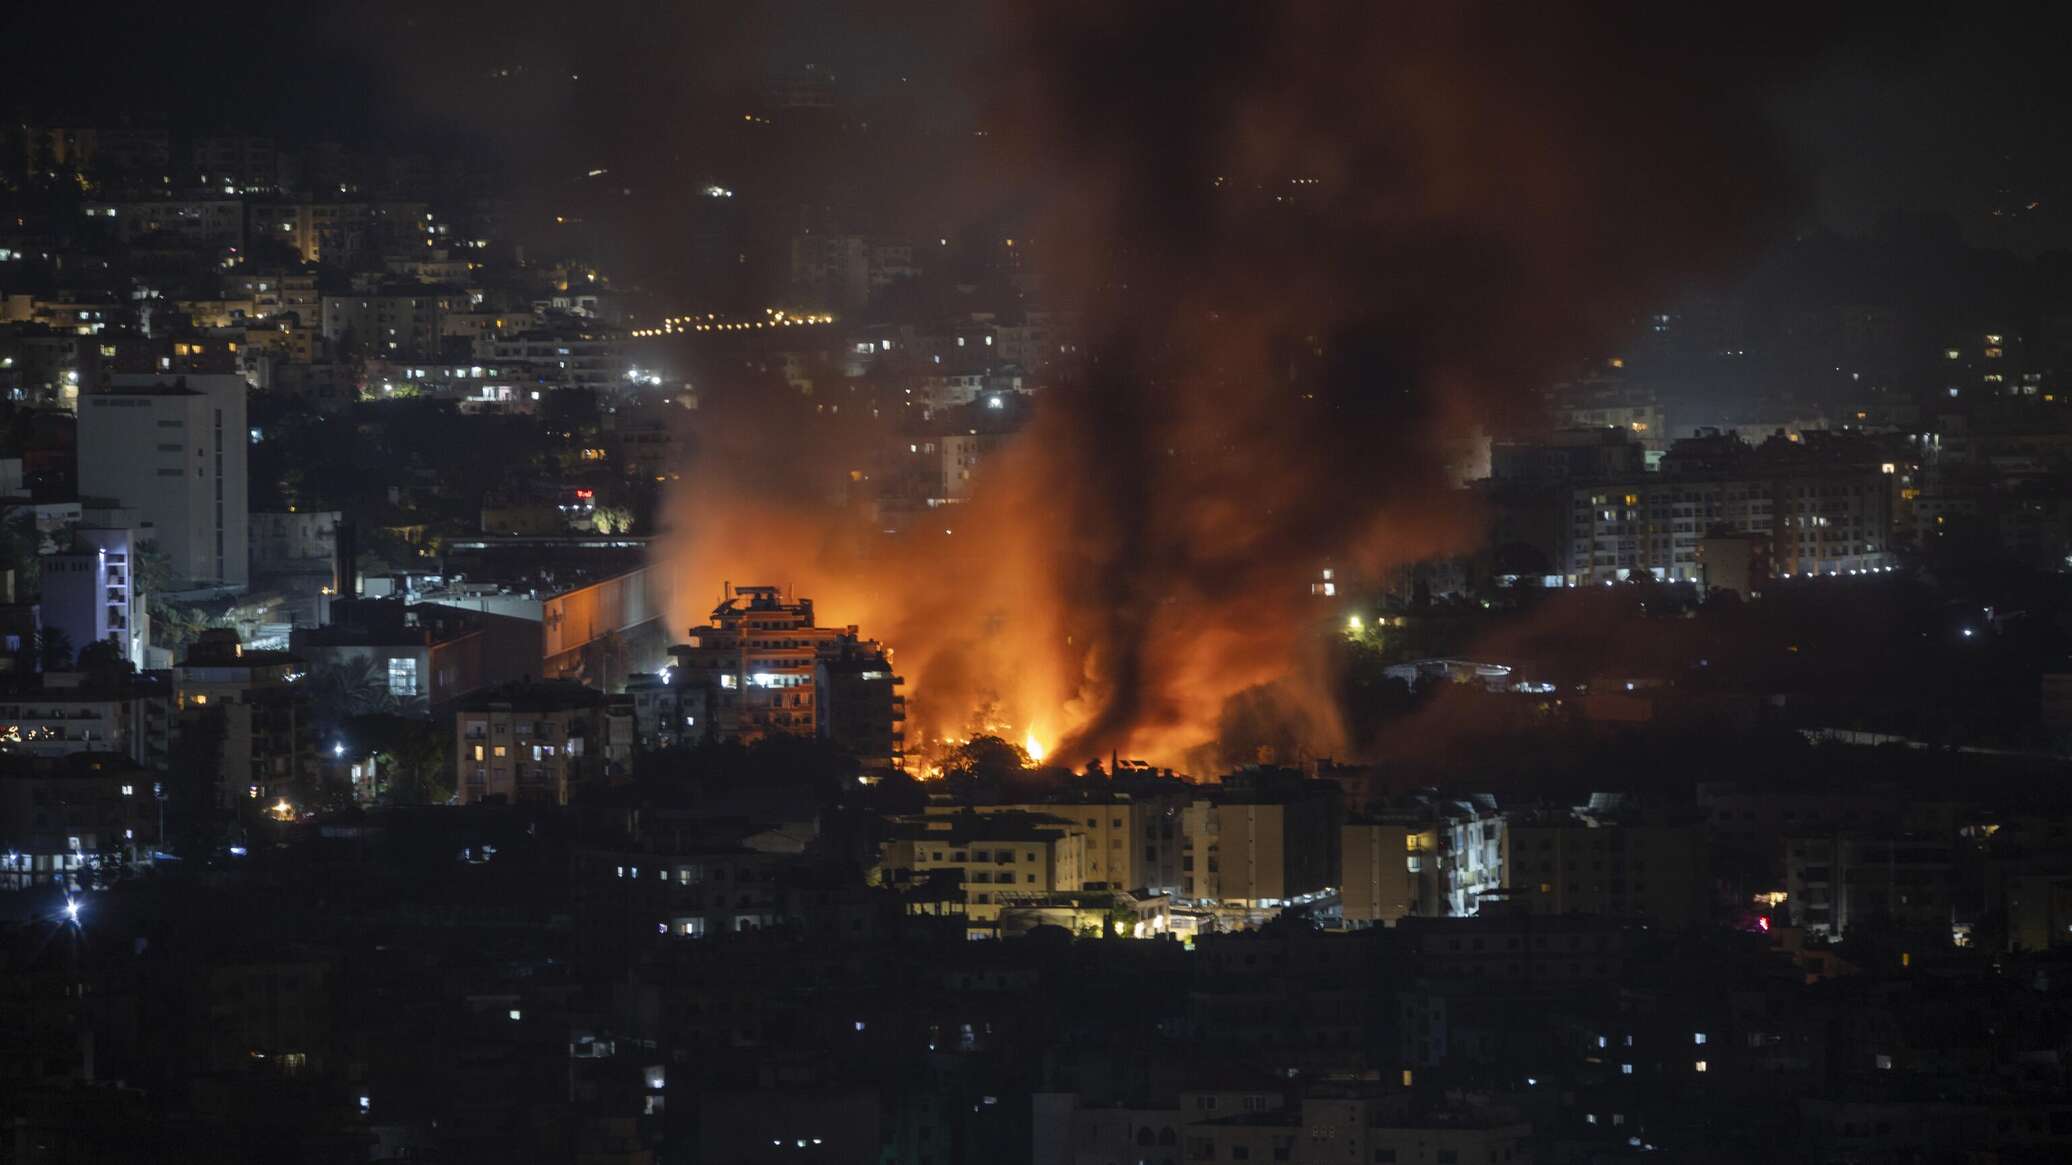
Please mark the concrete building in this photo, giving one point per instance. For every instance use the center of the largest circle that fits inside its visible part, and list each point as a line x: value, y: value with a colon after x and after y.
x: 1129, y: 844
x: 857, y: 706
x: 75, y: 821
x: 1823, y: 504
x: 301, y: 541
x: 844, y: 271
x: 70, y: 712
x: 667, y: 714
x: 1836, y: 879
x: 89, y: 593
x: 396, y: 325
x: 540, y: 360
x: 175, y: 452
x: 767, y: 665
x: 422, y: 656
x: 537, y: 741
x: 991, y: 857
x: 1604, y: 862
x: 1264, y: 839
x: 213, y: 221
x: 603, y: 631
x: 339, y: 233
x: 269, y: 741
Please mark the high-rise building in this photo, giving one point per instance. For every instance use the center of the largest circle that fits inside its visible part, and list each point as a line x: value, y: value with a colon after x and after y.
x: 767, y: 667
x: 175, y: 452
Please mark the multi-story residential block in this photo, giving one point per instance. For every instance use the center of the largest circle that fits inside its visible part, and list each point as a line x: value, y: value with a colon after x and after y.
x: 1129, y: 844
x: 541, y: 359
x: 991, y: 857
x: 1823, y: 504
x: 767, y: 666
x: 1584, y: 861
x: 393, y: 325
x: 267, y: 732
x: 210, y: 221
x: 1262, y: 840
x: 1838, y: 879
x: 534, y: 741
x: 70, y: 712
x: 75, y: 821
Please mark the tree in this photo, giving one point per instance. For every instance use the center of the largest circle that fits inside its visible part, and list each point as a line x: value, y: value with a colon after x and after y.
x: 54, y: 649
x: 416, y: 757
x: 984, y: 763
x: 21, y: 547
x: 612, y: 519
x: 357, y: 687
x: 173, y: 626
x: 104, y: 662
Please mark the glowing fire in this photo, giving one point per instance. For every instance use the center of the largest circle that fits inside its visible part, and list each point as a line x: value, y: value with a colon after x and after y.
x: 1034, y: 748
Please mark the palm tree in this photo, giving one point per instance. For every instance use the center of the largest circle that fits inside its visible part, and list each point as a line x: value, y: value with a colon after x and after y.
x: 357, y: 687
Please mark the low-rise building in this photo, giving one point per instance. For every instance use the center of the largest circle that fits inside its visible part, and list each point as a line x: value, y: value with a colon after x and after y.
x: 418, y: 658
x: 988, y: 856
x: 73, y: 712
x: 74, y: 821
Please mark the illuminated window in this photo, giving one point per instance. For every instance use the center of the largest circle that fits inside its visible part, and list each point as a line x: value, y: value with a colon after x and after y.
x: 402, y: 677
x: 501, y: 751
x: 478, y: 752
x: 1699, y: 1066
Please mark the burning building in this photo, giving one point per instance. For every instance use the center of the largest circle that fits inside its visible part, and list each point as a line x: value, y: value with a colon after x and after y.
x: 766, y: 667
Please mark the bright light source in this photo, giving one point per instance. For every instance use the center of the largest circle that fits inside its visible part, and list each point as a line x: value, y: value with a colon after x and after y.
x: 72, y: 909
x: 338, y: 750
x: 1967, y: 633
x: 1353, y: 624
x: 516, y: 1014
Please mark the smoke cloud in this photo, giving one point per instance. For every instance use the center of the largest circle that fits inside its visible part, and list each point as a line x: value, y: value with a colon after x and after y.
x: 1312, y: 245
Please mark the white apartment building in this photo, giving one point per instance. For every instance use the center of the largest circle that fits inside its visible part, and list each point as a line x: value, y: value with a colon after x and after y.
x: 174, y: 450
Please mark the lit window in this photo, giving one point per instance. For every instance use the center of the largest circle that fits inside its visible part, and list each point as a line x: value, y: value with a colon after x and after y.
x: 1700, y: 1066
x: 402, y: 677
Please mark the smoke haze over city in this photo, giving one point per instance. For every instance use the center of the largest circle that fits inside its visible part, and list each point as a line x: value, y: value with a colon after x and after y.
x: 1321, y: 252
